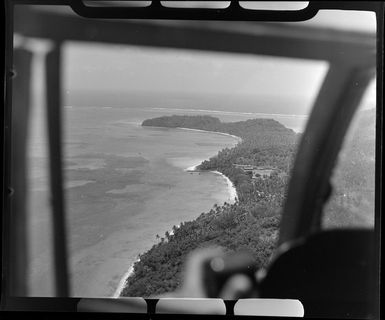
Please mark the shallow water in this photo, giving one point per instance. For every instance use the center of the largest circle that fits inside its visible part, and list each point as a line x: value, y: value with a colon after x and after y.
x: 124, y: 185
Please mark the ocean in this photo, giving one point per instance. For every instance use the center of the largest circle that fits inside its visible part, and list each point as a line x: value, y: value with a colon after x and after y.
x: 125, y: 186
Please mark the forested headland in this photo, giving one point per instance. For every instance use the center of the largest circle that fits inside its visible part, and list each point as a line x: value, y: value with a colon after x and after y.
x: 252, y: 222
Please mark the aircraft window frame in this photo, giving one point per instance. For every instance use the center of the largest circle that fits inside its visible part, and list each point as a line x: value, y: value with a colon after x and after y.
x: 289, y: 230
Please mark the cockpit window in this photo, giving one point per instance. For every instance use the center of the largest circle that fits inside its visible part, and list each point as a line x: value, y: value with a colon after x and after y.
x: 174, y: 145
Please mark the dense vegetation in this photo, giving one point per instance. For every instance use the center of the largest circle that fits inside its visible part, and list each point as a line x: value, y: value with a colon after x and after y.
x: 252, y: 222
x: 352, y: 201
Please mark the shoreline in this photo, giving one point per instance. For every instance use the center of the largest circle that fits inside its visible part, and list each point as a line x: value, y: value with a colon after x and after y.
x: 130, y: 271
x: 233, y: 196
x: 230, y: 186
x: 123, y: 280
x: 217, y: 132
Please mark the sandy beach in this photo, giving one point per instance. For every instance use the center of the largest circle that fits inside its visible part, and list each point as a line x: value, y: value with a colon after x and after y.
x: 215, y: 132
x: 233, y: 196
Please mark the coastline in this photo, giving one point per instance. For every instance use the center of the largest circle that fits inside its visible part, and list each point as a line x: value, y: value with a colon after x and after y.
x: 230, y: 186
x: 233, y: 196
x: 221, y: 133
x: 130, y: 271
x: 123, y: 280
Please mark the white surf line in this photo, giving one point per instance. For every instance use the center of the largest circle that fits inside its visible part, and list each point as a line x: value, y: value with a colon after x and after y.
x: 135, y: 123
x: 230, y: 187
x: 217, y: 132
x: 264, y: 114
x: 193, y: 168
x: 123, y: 280
x: 200, y: 130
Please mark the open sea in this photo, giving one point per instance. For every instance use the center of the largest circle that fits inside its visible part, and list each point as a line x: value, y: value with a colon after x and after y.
x: 124, y: 185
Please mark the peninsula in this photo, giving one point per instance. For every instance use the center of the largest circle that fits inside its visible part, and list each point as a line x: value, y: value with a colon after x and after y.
x: 258, y: 167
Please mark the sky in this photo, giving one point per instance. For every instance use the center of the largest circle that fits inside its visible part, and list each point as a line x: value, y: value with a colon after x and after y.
x: 118, y: 69
x: 121, y: 69
x: 127, y: 68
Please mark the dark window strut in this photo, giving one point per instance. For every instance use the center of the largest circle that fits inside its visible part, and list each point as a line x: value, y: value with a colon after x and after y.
x: 53, y: 95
